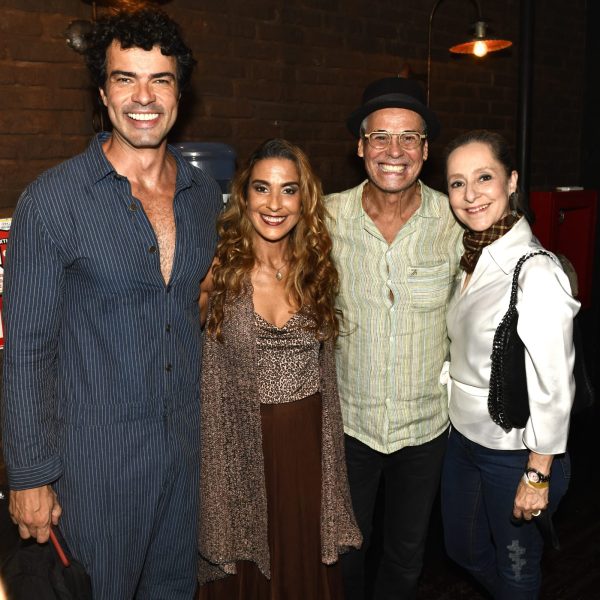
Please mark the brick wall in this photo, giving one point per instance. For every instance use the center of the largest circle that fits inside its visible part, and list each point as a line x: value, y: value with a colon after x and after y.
x: 296, y: 68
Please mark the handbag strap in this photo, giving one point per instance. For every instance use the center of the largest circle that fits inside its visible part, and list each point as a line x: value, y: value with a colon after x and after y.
x: 495, y: 397
x: 515, y: 282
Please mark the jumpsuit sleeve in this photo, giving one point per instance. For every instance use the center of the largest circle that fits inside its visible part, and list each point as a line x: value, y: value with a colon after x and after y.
x: 32, y: 311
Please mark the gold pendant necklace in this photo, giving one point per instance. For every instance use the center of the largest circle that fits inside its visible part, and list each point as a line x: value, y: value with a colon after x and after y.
x: 278, y: 271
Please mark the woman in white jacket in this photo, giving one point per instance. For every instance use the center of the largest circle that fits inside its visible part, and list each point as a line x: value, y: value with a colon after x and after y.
x: 495, y: 482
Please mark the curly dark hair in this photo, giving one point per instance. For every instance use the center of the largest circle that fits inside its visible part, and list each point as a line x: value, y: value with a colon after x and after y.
x: 144, y: 29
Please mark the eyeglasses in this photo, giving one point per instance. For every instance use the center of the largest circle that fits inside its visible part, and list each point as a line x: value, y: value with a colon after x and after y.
x: 409, y: 140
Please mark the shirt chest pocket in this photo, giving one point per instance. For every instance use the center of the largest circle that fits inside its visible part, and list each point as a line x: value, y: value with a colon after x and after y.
x: 429, y: 286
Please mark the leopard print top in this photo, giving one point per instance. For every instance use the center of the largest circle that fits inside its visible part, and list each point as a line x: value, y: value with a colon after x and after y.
x: 288, y: 360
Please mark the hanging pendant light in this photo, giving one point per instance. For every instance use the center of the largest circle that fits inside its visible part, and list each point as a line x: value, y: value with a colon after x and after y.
x: 481, y: 44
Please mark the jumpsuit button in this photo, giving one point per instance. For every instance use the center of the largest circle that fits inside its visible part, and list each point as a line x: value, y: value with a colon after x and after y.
x: 169, y: 367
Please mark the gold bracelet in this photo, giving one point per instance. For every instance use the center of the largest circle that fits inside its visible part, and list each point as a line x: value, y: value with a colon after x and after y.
x: 538, y: 486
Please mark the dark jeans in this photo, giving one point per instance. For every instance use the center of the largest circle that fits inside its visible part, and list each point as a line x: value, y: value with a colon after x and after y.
x: 411, y: 478
x: 478, y: 492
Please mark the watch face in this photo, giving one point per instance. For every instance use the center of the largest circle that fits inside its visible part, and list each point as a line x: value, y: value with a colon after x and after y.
x: 533, y: 477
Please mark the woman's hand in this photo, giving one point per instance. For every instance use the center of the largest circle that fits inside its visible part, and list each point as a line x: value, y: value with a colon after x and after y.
x: 530, y: 499
x: 206, y: 287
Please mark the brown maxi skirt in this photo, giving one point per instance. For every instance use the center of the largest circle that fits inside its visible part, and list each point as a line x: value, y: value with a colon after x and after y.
x: 292, y: 452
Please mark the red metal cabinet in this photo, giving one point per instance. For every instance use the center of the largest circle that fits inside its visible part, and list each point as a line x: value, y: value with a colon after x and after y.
x: 565, y: 223
x: 4, y: 229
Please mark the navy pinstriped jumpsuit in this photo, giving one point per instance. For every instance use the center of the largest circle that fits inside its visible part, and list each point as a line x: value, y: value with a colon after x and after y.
x: 101, y: 370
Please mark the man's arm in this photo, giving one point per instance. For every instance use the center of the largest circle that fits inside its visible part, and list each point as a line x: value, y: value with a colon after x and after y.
x: 33, y: 284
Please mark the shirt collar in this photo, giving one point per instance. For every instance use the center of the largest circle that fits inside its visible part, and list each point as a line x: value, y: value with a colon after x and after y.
x: 100, y: 167
x: 505, y: 251
x: 430, y: 205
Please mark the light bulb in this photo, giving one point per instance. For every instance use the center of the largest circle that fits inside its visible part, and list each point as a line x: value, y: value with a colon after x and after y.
x: 480, y: 48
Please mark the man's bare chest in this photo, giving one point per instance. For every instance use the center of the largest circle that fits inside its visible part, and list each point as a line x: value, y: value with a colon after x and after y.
x: 160, y: 214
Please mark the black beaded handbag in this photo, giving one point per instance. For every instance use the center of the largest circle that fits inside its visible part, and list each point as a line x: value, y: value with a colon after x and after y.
x: 508, y: 399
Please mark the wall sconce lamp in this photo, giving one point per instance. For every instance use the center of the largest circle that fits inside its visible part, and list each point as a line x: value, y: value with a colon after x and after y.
x: 479, y: 45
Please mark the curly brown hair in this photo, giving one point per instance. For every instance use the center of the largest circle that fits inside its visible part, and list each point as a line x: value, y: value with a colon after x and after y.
x: 312, y: 281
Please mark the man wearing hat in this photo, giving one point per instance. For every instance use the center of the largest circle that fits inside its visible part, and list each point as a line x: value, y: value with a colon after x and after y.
x: 397, y: 247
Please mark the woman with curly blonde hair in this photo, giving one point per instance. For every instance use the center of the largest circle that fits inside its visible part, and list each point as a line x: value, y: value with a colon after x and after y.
x: 275, y: 506
x: 303, y: 255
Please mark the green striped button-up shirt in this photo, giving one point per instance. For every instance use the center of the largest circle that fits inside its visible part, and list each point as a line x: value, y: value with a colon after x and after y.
x: 394, y: 298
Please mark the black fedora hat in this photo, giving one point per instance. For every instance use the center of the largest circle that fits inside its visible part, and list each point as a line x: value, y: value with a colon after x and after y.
x: 394, y: 92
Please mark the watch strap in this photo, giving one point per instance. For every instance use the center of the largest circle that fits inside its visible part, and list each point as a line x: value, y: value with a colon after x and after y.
x: 541, y: 478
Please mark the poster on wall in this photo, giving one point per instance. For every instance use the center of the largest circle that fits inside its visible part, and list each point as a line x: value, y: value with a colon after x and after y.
x: 4, y: 231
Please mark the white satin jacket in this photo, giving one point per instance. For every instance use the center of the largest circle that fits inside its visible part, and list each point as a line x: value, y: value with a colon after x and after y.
x: 546, y: 309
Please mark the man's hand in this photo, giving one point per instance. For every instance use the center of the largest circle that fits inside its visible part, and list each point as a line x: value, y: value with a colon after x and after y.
x: 33, y: 510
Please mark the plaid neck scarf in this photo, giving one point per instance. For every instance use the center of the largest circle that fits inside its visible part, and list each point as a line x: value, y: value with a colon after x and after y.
x: 475, y: 241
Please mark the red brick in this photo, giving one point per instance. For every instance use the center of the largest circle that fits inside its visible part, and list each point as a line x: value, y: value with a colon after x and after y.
x: 298, y: 68
x: 54, y: 75
x: 54, y: 25
x: 302, y: 16
x: 73, y: 122
x: 283, y: 33
x: 22, y: 22
x: 325, y: 39
x: 212, y: 86
x: 55, y: 146
x: 255, y: 49
x: 27, y: 122
x: 252, y: 129
x: 223, y: 68
x: 269, y: 71
x: 249, y: 89
x: 17, y: 96
x: 261, y: 11
x: 7, y: 73
x: 206, y: 129
x: 224, y: 25
x: 35, y: 6
x: 281, y: 112
x: 8, y: 146
x: 38, y: 50
x: 227, y: 107
x: 211, y: 45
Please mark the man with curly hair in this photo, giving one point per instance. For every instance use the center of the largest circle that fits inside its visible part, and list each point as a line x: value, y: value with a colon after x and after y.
x: 102, y: 354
